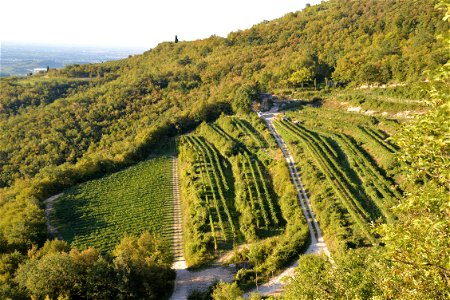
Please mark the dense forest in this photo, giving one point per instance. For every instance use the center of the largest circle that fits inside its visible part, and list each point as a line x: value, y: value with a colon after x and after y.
x: 84, y: 121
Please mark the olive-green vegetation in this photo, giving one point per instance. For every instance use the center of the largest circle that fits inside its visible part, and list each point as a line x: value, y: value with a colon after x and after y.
x: 83, y: 122
x: 239, y: 192
x: 137, y: 268
x: 18, y: 95
x: 413, y: 260
x: 100, y: 212
x: 338, y: 162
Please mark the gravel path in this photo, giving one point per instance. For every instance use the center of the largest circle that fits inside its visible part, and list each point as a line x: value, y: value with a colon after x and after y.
x: 275, y: 285
x: 187, y: 280
x: 48, y: 211
x: 177, y: 226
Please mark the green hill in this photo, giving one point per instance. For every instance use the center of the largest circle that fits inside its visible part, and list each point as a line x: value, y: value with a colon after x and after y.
x: 83, y: 122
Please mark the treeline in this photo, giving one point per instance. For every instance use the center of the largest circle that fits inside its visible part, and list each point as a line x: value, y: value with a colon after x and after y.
x: 349, y: 42
x: 138, y: 268
x: 19, y: 94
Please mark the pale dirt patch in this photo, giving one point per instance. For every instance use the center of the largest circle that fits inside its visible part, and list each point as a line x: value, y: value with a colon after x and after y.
x: 188, y: 281
x: 403, y: 114
x: 48, y: 211
x: 370, y: 112
x: 354, y: 109
x: 227, y: 256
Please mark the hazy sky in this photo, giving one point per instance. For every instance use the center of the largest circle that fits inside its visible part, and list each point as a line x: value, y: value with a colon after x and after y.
x: 132, y: 23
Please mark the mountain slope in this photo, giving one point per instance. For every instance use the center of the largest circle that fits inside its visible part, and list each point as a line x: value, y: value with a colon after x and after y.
x: 177, y: 85
x: 85, y: 121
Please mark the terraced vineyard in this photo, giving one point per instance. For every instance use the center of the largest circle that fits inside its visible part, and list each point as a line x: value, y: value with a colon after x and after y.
x: 229, y: 196
x: 346, y: 157
x: 253, y: 190
x: 213, y: 186
x: 379, y: 137
x: 100, y: 212
x: 257, y: 194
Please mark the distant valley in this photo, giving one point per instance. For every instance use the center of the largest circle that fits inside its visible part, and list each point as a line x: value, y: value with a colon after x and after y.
x: 22, y: 59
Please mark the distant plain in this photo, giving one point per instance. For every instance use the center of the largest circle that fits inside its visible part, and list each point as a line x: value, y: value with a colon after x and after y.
x: 20, y: 59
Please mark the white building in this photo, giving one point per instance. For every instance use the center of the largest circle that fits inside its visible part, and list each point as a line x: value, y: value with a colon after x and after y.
x: 39, y: 70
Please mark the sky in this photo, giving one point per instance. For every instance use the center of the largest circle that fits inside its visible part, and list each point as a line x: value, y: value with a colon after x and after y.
x: 138, y: 24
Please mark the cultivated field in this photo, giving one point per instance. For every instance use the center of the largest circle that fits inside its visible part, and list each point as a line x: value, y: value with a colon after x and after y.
x: 100, y: 212
x: 345, y: 159
x: 236, y: 189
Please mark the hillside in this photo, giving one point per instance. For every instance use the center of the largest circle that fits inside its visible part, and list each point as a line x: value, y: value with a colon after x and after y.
x: 361, y: 68
x: 175, y: 86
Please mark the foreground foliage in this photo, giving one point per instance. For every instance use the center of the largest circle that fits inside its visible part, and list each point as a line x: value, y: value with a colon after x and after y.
x: 138, y: 268
x: 414, y: 261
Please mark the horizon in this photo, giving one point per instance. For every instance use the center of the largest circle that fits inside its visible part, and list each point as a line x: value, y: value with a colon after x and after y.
x: 134, y: 24
x: 71, y: 47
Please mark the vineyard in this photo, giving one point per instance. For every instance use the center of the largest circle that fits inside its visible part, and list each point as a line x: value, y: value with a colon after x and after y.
x: 229, y: 194
x: 346, y: 158
x: 100, y: 212
x: 212, y: 186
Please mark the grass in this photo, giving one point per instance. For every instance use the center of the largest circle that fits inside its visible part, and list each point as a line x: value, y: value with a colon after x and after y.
x: 100, y: 212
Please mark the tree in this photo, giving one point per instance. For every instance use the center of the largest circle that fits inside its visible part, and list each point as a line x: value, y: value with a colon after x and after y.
x: 300, y: 77
x: 353, y: 276
x: 54, y: 275
x: 256, y: 257
x: 8, y: 266
x: 418, y: 244
x: 227, y: 291
x: 22, y: 223
x: 244, y: 96
x: 143, y: 267
x: 369, y: 73
x: 312, y: 279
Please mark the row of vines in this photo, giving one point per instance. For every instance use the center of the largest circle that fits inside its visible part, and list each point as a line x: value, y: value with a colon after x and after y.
x: 100, y: 212
x: 236, y: 189
x: 351, y: 159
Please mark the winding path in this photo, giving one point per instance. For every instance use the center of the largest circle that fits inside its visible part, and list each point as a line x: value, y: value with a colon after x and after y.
x: 48, y: 212
x: 275, y: 285
x: 317, y: 242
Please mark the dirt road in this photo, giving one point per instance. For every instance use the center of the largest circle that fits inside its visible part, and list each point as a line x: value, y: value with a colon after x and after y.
x: 275, y: 285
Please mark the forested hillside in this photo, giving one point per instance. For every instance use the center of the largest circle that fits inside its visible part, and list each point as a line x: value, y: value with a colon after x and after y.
x: 85, y: 121
x: 120, y: 106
